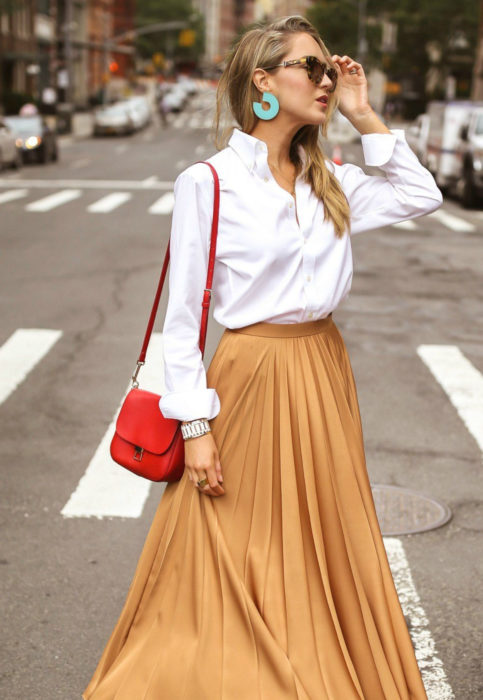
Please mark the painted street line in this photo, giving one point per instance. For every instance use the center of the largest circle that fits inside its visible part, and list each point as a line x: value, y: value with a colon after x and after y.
x: 19, y: 355
x: 90, y: 184
x: 109, y: 202
x: 106, y: 489
x: 430, y: 665
x: 53, y: 200
x: 461, y: 381
x: 13, y: 194
x: 455, y: 223
x: 163, y: 205
x: 408, y: 225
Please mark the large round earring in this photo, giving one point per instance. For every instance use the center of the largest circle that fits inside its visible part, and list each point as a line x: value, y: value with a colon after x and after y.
x: 267, y: 113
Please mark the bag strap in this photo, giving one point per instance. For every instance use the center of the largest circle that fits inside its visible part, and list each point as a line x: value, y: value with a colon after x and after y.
x: 207, y: 291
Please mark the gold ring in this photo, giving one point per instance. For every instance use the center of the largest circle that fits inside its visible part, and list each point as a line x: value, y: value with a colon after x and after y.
x: 202, y: 482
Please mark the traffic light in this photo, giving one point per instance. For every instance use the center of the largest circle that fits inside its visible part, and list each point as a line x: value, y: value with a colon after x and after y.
x: 187, y: 37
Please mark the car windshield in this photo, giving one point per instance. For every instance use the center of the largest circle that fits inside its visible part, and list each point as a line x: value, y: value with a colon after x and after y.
x: 479, y: 125
x: 24, y: 124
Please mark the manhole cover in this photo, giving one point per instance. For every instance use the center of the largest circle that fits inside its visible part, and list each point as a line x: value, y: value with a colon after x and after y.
x: 402, y: 511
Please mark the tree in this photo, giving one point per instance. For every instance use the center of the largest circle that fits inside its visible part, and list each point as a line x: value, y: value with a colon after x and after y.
x: 167, y: 42
x: 448, y: 25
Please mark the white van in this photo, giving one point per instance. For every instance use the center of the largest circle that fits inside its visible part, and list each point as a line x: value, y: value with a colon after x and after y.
x: 470, y: 158
x: 443, y: 149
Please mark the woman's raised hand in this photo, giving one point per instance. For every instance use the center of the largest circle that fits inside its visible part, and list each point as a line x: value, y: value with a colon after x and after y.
x: 202, y: 460
x: 351, y: 87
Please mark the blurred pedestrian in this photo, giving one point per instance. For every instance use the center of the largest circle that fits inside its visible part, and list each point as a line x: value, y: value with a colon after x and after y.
x: 164, y: 110
x: 264, y: 573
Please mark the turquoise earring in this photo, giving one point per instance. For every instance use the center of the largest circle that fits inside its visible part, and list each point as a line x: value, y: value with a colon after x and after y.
x: 267, y: 113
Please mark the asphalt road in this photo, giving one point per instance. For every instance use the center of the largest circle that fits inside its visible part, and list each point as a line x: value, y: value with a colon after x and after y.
x: 90, y: 275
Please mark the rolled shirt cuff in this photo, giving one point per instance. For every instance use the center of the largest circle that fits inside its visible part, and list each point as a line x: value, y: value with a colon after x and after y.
x: 189, y: 405
x: 378, y: 148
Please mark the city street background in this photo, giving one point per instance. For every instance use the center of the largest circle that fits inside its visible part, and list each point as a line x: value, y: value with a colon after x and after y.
x: 85, y: 268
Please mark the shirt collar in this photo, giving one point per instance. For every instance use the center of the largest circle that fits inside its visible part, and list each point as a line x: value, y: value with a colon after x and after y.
x: 253, y: 151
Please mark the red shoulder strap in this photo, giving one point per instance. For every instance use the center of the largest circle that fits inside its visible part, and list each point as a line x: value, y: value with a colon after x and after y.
x: 209, y: 279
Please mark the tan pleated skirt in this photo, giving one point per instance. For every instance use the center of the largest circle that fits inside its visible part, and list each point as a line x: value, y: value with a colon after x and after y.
x: 281, y: 588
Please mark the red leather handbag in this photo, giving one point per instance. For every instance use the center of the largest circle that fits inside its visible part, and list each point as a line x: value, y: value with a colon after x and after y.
x: 145, y: 442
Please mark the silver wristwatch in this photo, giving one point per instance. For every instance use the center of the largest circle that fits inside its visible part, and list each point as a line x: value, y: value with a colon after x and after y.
x: 195, y: 428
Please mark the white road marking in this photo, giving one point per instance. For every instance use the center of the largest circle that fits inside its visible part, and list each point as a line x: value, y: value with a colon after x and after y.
x: 455, y: 223
x: 150, y: 180
x: 109, y: 202
x: 19, y: 355
x: 461, y: 381
x: 13, y: 194
x: 430, y: 665
x: 408, y: 225
x: 53, y: 200
x: 163, y: 205
x: 106, y: 489
x: 121, y: 148
x: 90, y: 184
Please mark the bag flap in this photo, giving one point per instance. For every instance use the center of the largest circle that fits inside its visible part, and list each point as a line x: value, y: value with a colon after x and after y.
x: 141, y: 422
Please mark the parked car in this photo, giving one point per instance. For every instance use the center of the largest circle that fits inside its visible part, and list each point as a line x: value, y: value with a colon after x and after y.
x: 35, y: 139
x: 417, y: 137
x: 139, y: 110
x: 10, y: 153
x: 470, y: 158
x: 113, y: 119
x: 188, y: 84
x: 444, y: 139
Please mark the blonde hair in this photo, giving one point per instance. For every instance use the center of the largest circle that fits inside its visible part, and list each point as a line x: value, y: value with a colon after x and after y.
x: 266, y: 45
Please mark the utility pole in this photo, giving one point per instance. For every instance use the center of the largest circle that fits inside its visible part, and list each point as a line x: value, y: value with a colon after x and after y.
x: 361, y: 33
x: 105, y: 55
x: 477, y: 86
x: 68, y: 26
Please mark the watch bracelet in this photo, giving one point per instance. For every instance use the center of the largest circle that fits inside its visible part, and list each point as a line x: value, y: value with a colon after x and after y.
x: 200, y: 424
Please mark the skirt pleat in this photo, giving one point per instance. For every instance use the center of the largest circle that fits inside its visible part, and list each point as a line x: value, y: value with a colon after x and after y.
x: 281, y: 588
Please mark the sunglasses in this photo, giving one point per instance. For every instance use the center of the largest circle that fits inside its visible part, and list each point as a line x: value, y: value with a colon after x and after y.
x: 315, y: 69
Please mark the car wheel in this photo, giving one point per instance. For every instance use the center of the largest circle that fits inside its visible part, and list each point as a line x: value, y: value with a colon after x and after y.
x: 55, y: 154
x: 17, y: 162
x: 468, y: 197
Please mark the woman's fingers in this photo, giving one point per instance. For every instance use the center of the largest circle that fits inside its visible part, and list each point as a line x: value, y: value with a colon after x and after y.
x: 346, y: 63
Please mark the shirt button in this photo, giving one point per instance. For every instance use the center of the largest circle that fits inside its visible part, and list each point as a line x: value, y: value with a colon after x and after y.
x: 266, y: 179
x: 310, y: 314
x: 290, y: 204
x: 309, y: 278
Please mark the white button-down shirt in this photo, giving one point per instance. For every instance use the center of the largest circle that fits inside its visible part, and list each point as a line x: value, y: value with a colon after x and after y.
x: 277, y: 260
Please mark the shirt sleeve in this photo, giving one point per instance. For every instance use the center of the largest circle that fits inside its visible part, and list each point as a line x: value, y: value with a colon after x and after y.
x: 407, y: 190
x: 186, y: 394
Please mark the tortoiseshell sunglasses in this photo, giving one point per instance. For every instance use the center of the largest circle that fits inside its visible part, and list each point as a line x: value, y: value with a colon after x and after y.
x: 315, y: 69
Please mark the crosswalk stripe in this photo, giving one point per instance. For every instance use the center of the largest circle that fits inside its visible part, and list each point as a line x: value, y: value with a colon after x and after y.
x: 19, y: 355
x: 455, y: 223
x: 13, y: 194
x: 407, y: 225
x: 461, y: 381
x: 53, y: 200
x: 432, y: 670
x: 163, y: 205
x: 109, y: 202
x: 106, y: 489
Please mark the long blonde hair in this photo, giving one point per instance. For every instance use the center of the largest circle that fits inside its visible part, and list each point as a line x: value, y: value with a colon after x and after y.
x: 266, y: 45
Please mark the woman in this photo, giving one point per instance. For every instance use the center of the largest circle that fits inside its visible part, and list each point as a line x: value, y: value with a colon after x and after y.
x: 264, y: 574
